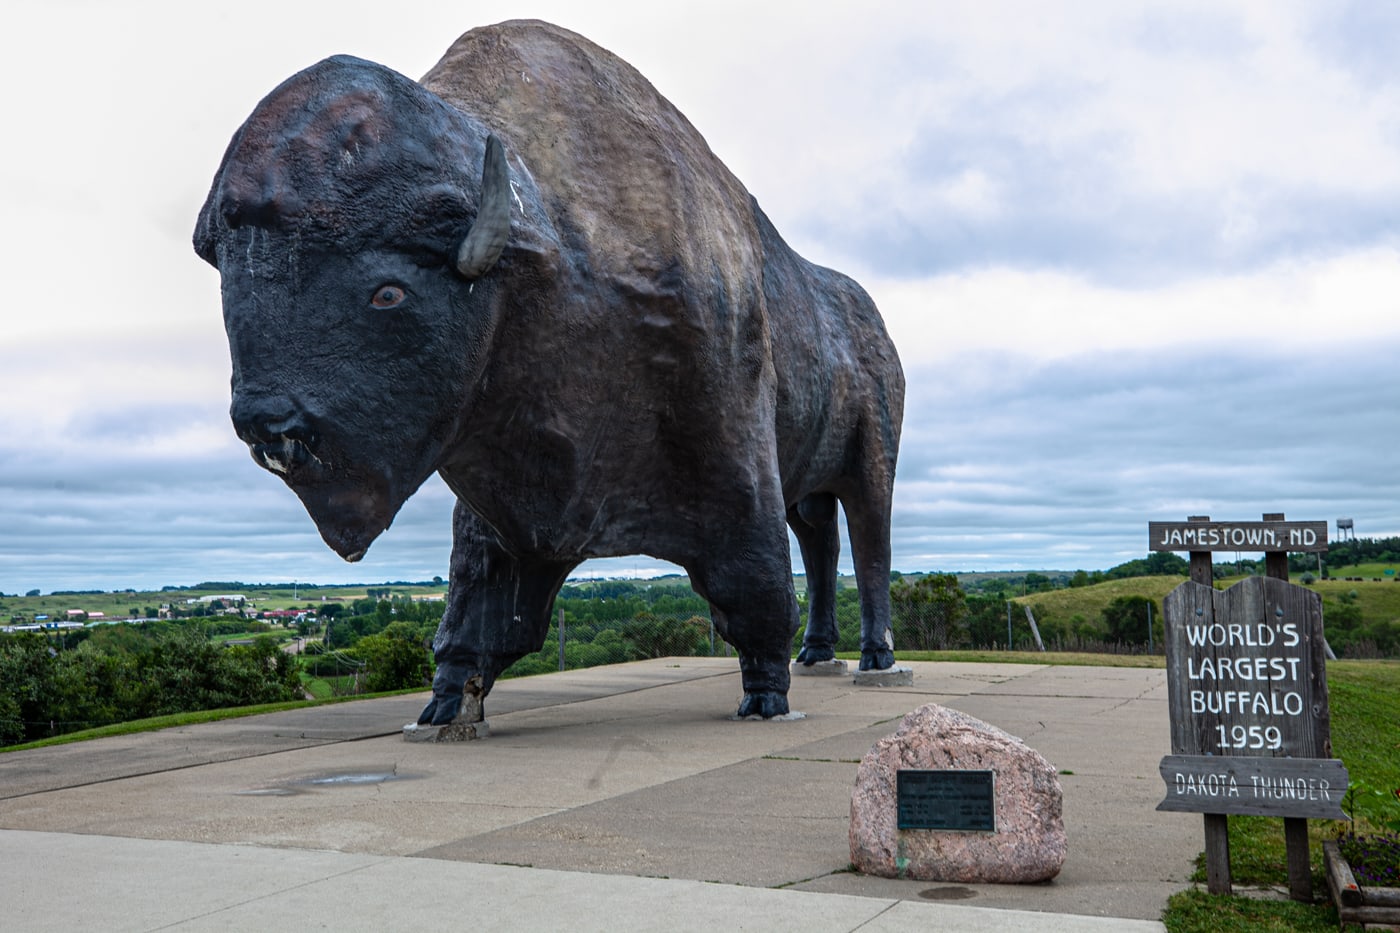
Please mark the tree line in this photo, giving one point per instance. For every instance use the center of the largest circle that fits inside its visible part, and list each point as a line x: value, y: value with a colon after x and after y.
x: 59, y: 682
x: 49, y: 686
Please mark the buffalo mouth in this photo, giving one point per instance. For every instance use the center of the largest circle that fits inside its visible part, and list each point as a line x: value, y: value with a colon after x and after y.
x: 350, y: 510
x: 284, y: 456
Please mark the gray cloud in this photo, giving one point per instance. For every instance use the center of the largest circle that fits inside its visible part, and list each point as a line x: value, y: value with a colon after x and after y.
x: 1021, y: 463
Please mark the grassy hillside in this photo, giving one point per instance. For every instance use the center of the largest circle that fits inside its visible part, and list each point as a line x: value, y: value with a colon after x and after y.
x: 1089, y: 601
x: 1362, y: 611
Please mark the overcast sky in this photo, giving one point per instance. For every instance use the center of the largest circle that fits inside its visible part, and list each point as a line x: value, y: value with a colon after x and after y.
x: 1141, y: 261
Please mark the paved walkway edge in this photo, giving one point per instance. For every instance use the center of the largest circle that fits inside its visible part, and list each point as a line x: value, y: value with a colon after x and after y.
x: 63, y: 881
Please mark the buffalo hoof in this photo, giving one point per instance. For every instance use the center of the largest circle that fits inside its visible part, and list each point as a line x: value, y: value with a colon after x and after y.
x: 811, y: 655
x: 763, y: 703
x: 878, y: 660
x: 440, y: 710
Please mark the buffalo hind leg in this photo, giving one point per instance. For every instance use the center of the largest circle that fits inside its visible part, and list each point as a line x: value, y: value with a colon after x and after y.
x: 813, y: 522
x: 497, y: 612
x: 869, y: 524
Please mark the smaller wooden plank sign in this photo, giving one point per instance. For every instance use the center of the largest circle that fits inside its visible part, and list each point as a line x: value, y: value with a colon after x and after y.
x: 1311, y: 788
x: 1203, y: 536
x: 959, y: 801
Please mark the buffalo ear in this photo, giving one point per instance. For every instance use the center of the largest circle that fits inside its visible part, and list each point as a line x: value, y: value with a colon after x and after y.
x: 205, y: 240
x: 488, y: 234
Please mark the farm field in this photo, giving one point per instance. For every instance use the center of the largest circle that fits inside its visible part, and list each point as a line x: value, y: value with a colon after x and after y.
x: 133, y: 604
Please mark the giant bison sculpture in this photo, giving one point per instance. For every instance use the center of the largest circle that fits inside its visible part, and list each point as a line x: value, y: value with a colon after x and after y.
x: 529, y: 274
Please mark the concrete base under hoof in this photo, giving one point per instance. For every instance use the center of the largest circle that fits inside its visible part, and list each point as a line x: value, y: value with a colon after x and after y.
x: 890, y: 677
x: 785, y: 717
x: 833, y: 668
x: 452, y: 732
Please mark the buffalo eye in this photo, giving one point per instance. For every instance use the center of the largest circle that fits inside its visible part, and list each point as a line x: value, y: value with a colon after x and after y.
x: 388, y: 296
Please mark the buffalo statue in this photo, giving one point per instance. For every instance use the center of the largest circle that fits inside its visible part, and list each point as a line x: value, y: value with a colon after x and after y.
x: 529, y: 274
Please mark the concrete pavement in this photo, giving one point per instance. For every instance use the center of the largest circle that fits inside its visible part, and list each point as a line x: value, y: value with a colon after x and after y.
x: 615, y: 798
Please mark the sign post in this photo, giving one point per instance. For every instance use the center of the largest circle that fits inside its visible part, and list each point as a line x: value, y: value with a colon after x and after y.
x: 1247, y: 692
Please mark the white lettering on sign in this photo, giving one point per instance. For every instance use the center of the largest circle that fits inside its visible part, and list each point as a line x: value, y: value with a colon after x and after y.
x: 1266, y: 669
x: 1246, y: 683
x: 1251, y: 538
x: 1260, y: 787
x: 1248, y: 702
x: 1243, y: 668
x: 1219, y: 635
x: 1207, y: 785
x: 1283, y: 788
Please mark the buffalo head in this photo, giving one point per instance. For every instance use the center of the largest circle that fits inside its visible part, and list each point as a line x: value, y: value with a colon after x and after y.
x: 357, y: 222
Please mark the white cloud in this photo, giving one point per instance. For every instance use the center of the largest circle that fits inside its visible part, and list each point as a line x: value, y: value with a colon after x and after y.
x: 1291, y: 304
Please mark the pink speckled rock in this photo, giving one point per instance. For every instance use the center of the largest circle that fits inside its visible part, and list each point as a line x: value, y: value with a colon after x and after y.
x: 1029, y: 844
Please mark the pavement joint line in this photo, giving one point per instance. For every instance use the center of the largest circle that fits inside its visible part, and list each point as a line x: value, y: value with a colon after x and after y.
x: 1140, y: 696
x: 888, y: 907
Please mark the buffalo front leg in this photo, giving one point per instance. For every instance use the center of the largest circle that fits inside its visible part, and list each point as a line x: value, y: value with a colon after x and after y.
x: 748, y: 584
x: 497, y: 612
x: 813, y: 522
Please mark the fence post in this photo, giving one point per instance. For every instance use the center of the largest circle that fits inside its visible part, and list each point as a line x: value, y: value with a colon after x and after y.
x: 561, y: 638
x: 1217, y: 825
x: 1295, y: 829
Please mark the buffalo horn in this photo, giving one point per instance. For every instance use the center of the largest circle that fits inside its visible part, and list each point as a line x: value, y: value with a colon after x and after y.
x: 487, y: 237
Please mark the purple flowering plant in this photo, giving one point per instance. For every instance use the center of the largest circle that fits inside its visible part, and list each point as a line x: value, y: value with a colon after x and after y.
x: 1374, y: 856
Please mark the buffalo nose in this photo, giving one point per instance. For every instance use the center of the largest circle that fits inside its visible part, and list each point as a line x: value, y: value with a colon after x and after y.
x: 279, y: 436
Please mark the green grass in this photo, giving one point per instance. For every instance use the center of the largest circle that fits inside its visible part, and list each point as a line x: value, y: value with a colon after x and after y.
x: 1369, y: 571
x: 1195, y: 911
x: 318, y: 687
x: 1365, y: 701
x: 1365, y: 697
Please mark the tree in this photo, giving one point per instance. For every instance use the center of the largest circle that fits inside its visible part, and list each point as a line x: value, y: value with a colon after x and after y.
x: 1038, y: 583
x: 1126, y: 619
x: 26, y: 682
x: 394, y: 660
x: 986, y: 621
x: 1158, y: 563
x: 930, y: 614
x: 648, y: 636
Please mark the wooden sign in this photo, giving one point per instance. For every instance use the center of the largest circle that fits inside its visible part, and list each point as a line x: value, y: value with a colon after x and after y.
x: 959, y: 801
x: 1246, y: 670
x: 1312, y: 788
x: 1247, y: 691
x: 1237, y: 536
